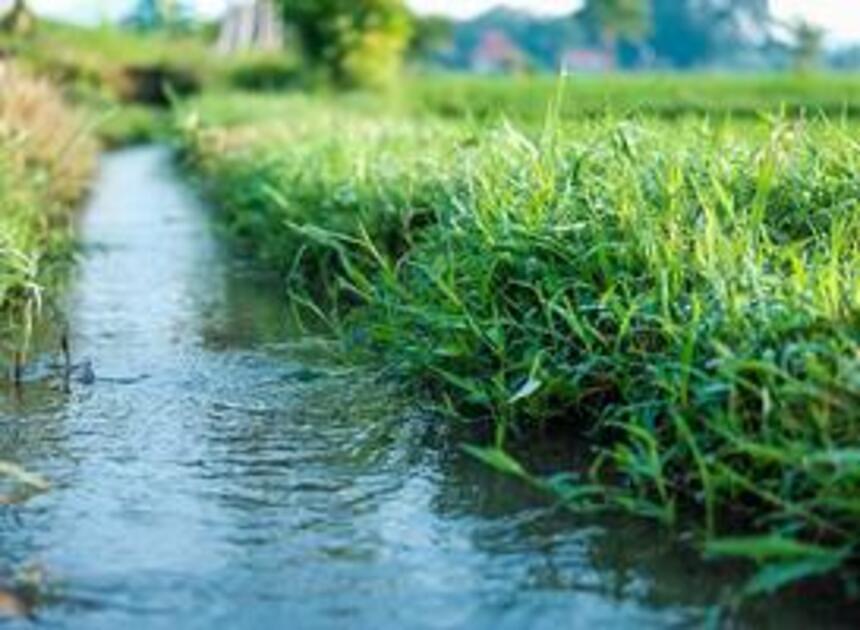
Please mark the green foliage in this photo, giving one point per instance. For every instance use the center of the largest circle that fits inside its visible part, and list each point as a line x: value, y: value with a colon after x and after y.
x: 116, y: 74
x: 45, y: 163
x: 343, y: 189
x: 782, y: 561
x: 620, y: 19
x: 360, y: 42
x: 131, y: 125
x: 430, y: 34
x: 107, y: 65
x: 686, y: 295
x: 499, y: 460
x: 690, y: 33
x: 525, y: 99
x: 265, y: 73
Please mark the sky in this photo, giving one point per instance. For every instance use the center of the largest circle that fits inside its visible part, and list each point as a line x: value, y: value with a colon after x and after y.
x: 841, y: 18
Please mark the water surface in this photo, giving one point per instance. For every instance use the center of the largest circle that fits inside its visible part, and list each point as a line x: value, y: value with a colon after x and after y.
x: 215, y: 476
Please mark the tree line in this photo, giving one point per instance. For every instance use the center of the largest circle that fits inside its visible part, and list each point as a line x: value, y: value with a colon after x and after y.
x: 363, y: 42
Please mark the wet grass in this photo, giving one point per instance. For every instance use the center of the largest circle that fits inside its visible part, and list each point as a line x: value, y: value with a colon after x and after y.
x: 685, y: 297
x: 382, y: 174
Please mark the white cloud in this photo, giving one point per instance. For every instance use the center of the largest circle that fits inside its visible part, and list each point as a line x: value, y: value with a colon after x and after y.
x: 840, y: 18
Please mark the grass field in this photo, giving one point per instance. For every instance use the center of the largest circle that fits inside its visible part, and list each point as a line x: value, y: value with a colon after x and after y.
x: 682, y: 294
x: 525, y: 99
x: 46, y: 158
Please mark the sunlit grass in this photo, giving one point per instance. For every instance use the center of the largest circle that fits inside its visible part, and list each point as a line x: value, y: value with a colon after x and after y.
x: 685, y: 297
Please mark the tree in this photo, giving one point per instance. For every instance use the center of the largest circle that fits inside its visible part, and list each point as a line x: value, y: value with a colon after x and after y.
x: 808, y: 41
x: 847, y: 58
x: 689, y: 33
x: 358, y: 42
x: 430, y: 34
x: 617, y: 20
x: 158, y: 14
x: 19, y: 20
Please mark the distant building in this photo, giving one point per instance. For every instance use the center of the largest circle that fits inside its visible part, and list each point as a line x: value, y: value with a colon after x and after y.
x: 586, y: 61
x: 496, y: 53
x: 251, y: 26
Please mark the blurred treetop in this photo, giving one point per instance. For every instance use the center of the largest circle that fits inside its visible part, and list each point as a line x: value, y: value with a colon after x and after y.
x: 19, y: 20
x: 358, y: 42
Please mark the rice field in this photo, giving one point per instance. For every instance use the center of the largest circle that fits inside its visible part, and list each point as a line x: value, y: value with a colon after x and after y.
x: 680, y: 294
x: 667, y: 96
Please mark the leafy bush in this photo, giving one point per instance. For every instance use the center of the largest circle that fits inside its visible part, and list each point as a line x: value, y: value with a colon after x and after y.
x: 266, y: 73
x: 360, y: 42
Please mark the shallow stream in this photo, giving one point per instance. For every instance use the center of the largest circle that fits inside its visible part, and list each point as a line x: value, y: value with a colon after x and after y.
x: 213, y: 475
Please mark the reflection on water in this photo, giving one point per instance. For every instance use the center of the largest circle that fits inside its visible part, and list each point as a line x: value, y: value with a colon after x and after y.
x: 208, y: 478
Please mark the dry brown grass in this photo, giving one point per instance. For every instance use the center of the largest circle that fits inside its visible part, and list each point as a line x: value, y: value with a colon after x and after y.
x: 45, y: 133
x: 46, y: 161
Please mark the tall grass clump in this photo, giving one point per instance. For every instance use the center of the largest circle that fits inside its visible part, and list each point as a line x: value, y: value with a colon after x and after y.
x: 325, y: 169
x: 684, y: 298
x: 689, y: 303
x: 46, y: 159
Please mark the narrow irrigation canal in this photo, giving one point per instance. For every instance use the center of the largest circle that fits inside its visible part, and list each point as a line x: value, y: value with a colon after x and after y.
x: 208, y: 475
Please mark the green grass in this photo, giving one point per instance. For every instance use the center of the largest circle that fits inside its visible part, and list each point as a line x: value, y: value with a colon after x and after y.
x: 667, y: 267
x: 383, y: 174
x: 119, y: 76
x: 46, y: 158
x: 684, y: 296
x: 524, y: 99
x: 125, y: 125
x: 102, y: 72
x: 94, y: 60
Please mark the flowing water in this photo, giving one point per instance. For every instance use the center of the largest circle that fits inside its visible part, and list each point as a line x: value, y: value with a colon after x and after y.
x: 212, y: 476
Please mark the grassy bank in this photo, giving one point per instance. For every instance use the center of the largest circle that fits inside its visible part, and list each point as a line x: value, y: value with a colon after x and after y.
x: 525, y: 99
x: 126, y: 79
x: 380, y: 172
x: 685, y: 297
x: 46, y: 158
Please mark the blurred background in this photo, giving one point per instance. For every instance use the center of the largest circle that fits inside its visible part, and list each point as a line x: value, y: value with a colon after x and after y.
x: 520, y: 36
x: 128, y: 61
